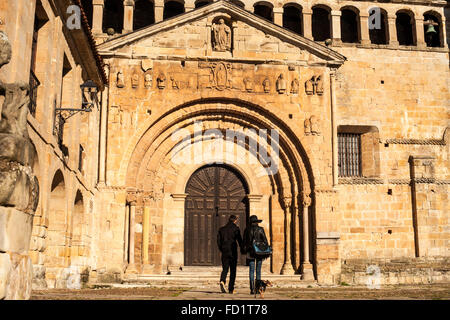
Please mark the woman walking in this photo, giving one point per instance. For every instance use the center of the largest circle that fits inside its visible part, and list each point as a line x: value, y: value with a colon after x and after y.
x: 254, y: 234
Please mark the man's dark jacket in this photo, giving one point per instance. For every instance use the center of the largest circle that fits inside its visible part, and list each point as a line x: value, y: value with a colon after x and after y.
x: 226, y: 240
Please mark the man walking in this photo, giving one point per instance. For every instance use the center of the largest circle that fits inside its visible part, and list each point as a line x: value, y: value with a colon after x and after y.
x: 226, y: 241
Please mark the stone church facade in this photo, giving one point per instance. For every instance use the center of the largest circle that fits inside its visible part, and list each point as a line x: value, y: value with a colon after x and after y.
x: 335, y: 134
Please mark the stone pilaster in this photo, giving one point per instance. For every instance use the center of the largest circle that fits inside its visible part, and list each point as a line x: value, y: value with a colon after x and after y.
x: 336, y: 26
x: 364, y: 23
x: 128, y: 14
x: 307, y: 23
x: 392, y: 31
x: 159, y: 10
x: 420, y: 36
x: 97, y: 16
x: 278, y: 16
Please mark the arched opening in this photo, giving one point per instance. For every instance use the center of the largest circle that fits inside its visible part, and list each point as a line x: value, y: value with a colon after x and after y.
x: 349, y: 25
x: 201, y: 3
x: 293, y: 18
x: 264, y: 10
x: 144, y: 14
x: 378, y: 28
x: 88, y: 10
x: 214, y: 192
x: 238, y: 3
x: 321, y: 24
x: 405, y: 28
x: 432, y: 21
x: 113, y: 16
x: 77, y: 220
x: 57, y: 227
x: 172, y: 9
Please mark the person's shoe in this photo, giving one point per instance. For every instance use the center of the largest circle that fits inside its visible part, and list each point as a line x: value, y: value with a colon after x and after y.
x: 231, y: 292
x: 222, y: 287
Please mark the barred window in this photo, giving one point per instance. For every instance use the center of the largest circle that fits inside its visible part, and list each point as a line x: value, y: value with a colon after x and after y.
x: 349, y: 153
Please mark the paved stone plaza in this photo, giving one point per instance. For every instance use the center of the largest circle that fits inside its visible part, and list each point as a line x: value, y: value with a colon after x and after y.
x: 399, y: 292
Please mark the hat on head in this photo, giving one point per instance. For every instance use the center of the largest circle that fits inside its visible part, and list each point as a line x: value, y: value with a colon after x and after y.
x: 254, y: 219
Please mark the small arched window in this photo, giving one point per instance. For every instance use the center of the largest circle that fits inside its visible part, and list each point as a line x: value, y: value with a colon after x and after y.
x: 172, y: 9
x: 264, y: 10
x: 321, y: 24
x: 350, y: 25
x: 378, y: 28
x: 144, y: 14
x: 433, y: 29
x: 113, y: 16
x: 201, y: 3
x: 292, y: 18
x: 405, y: 28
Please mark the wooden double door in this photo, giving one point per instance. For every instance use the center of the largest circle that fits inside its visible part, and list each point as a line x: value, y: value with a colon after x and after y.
x: 214, y: 192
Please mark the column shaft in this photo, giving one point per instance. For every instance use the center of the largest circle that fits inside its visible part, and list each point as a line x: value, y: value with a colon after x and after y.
x: 307, y: 24
x: 392, y: 31
x: 97, y: 16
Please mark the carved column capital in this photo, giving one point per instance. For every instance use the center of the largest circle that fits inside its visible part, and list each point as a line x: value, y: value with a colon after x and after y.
x: 287, y: 202
x: 306, y: 200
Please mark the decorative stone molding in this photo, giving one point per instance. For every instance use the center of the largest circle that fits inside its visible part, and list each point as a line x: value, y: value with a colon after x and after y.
x: 361, y: 180
x: 436, y: 142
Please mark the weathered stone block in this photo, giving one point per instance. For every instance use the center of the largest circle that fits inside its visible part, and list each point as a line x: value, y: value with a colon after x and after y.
x: 17, y: 149
x: 15, y: 230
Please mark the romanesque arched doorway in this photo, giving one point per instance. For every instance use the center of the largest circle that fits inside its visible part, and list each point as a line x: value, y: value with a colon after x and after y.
x: 214, y: 192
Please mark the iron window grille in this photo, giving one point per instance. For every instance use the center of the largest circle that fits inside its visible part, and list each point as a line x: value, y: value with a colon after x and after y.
x: 349, y: 154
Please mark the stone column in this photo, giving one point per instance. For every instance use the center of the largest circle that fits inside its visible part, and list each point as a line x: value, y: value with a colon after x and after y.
x: 97, y: 16
x: 131, y: 268
x: 307, y: 23
x: 189, y: 5
x: 420, y: 36
x: 364, y: 24
x: 287, y: 265
x: 145, y: 236
x: 392, y: 30
x: 103, y: 133
x: 334, y: 138
x: 159, y: 10
x: 278, y: 16
x: 126, y: 235
x: 336, y: 26
x: 307, y: 268
x: 128, y: 14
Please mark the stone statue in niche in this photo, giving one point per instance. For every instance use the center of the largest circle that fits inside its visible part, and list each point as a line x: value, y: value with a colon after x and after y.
x: 161, y: 81
x: 148, y: 81
x: 220, y: 75
x: 120, y: 80
x: 309, y: 86
x: 266, y: 85
x: 312, y: 126
x: 221, y: 36
x: 248, y: 84
x: 175, y: 83
x: 314, y: 86
x: 294, y: 86
x: 281, y: 84
x: 319, y: 85
x: 135, y: 80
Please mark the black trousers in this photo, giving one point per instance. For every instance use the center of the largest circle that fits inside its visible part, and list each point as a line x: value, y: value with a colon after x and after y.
x: 229, y: 263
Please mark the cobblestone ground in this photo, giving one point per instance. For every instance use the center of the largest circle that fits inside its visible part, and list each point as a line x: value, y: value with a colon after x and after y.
x: 429, y: 292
